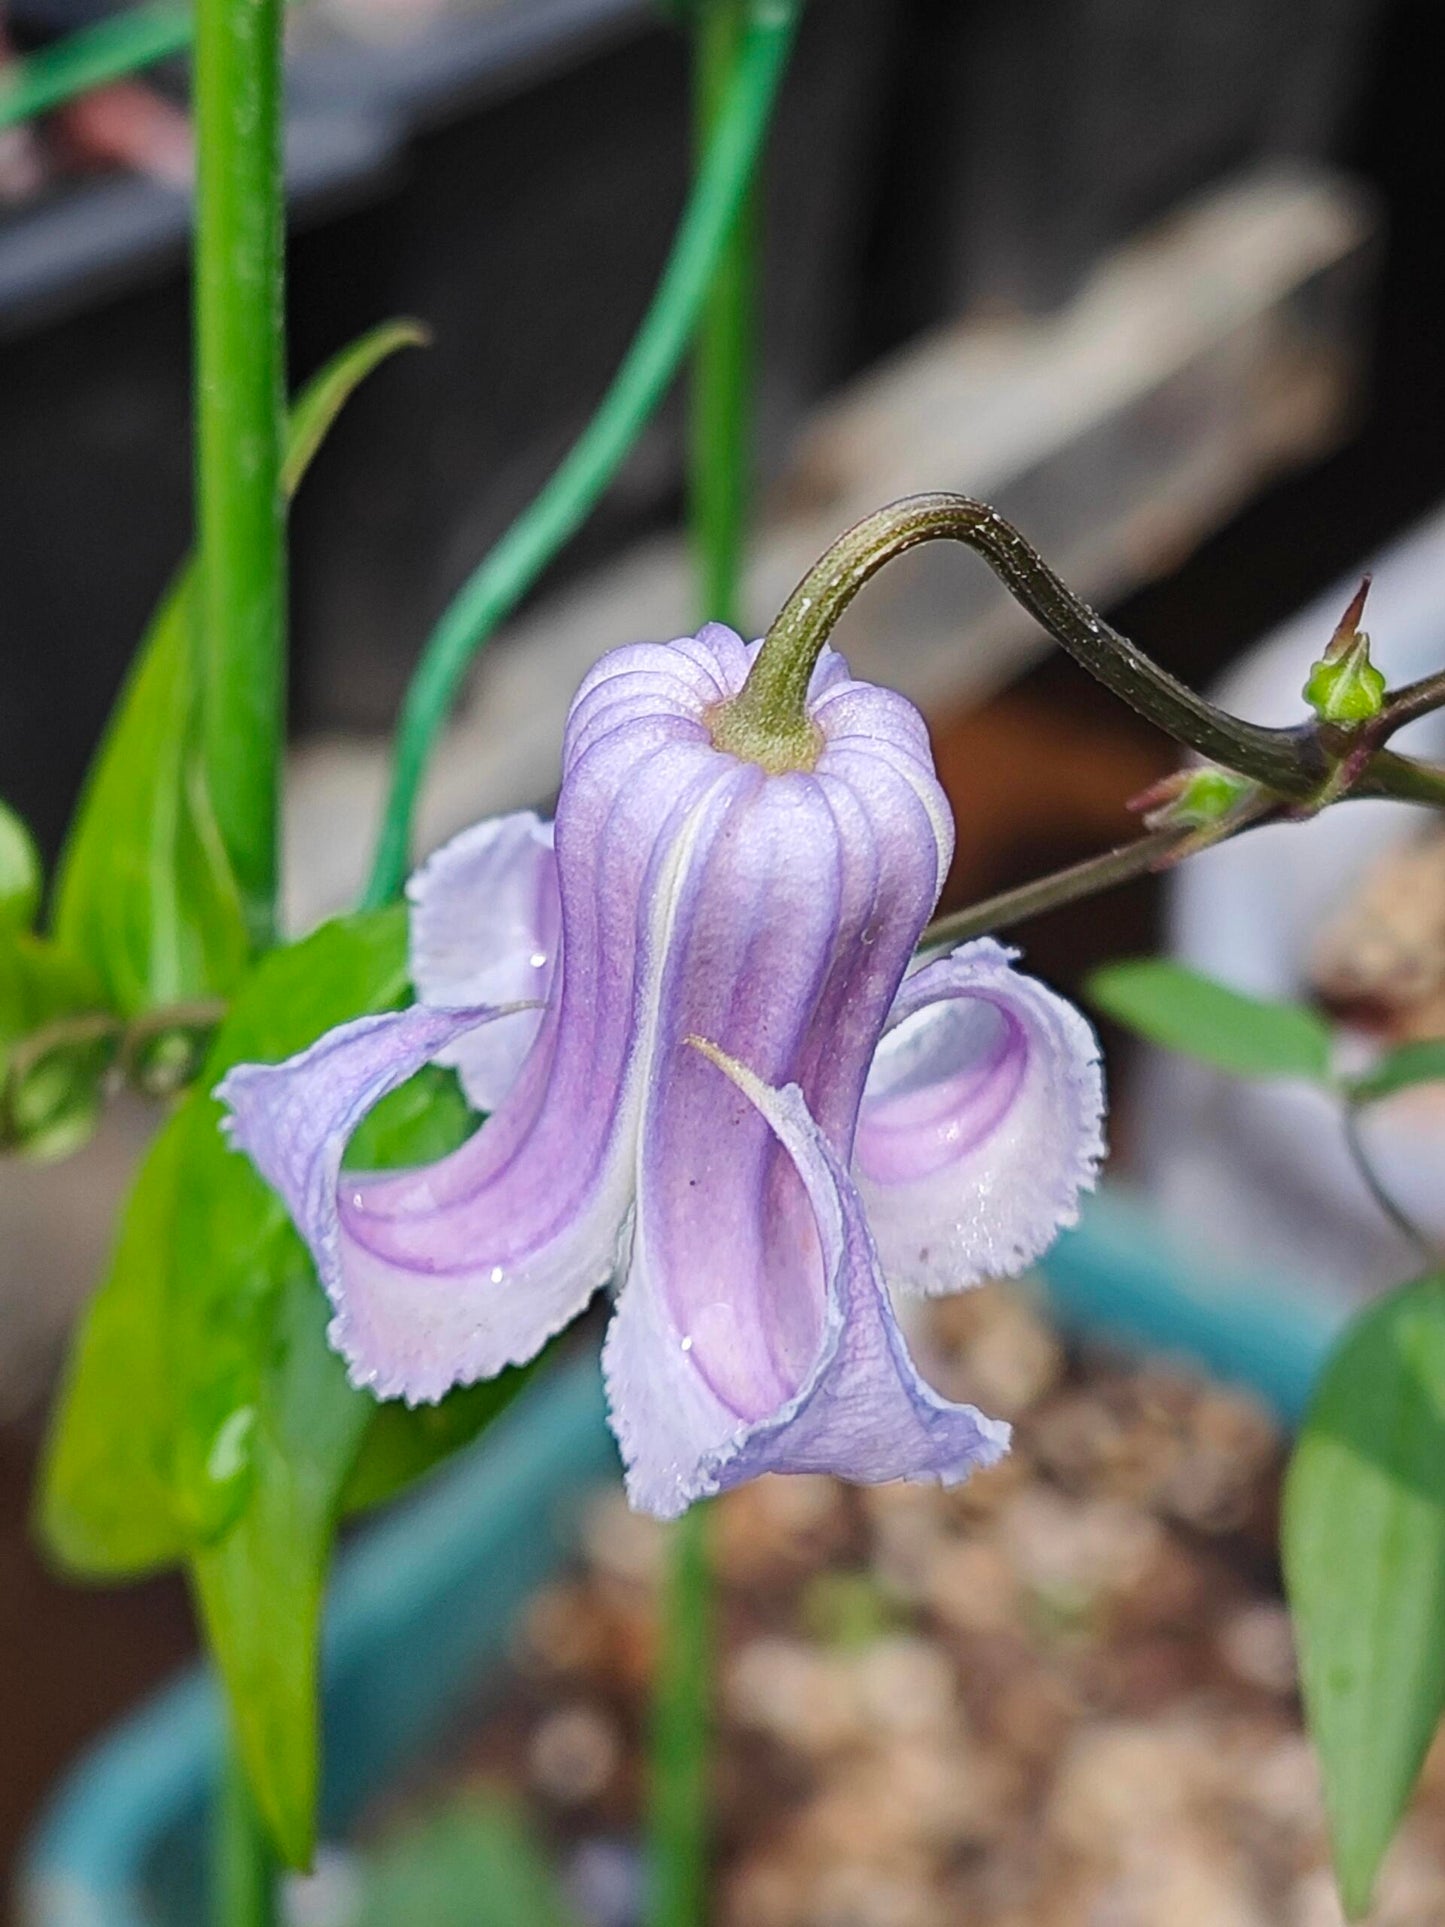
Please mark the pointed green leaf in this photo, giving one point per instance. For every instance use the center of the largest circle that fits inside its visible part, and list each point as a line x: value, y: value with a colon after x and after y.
x: 205, y: 1415
x: 262, y: 1583
x: 1187, y: 1012
x: 145, y: 892
x: 105, y: 1506
x: 1364, y: 1558
x: 20, y: 875
x: 1422, y: 1062
x: 326, y: 394
x: 144, y: 1461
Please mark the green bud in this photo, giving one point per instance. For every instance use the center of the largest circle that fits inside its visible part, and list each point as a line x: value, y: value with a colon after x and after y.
x: 54, y: 1092
x: 1349, y: 689
x: 1193, y: 799
x: 165, y: 1051
x: 1345, y: 688
x: 20, y: 877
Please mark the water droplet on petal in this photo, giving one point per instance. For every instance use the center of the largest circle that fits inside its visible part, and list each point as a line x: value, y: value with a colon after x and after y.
x: 687, y: 1344
x: 498, y: 1274
x: 537, y: 959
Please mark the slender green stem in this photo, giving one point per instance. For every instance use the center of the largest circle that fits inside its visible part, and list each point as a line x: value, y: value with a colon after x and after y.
x: 642, y: 380
x: 1377, y: 1189
x: 1402, y: 778
x: 1096, y: 873
x: 771, y: 707
x: 678, y: 1803
x: 240, y: 401
x: 722, y: 359
x: 679, y: 1817
x: 243, y: 1867
x: 91, y: 56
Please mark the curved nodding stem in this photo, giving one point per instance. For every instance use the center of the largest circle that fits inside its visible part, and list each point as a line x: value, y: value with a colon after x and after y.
x: 770, y: 708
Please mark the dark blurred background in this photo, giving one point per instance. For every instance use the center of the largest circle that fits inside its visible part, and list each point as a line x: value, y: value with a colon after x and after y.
x: 511, y: 174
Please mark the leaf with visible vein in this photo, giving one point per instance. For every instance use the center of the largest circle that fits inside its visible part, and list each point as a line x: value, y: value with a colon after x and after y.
x: 1364, y: 1560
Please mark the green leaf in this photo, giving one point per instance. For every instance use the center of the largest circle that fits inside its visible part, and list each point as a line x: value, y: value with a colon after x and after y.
x: 403, y: 1443
x: 1422, y: 1062
x: 106, y: 1505
x: 474, y: 1864
x: 205, y: 1415
x: 55, y: 1088
x: 1364, y: 1559
x: 21, y: 879
x: 423, y: 1120
x: 326, y: 394
x: 145, y: 892
x: 262, y: 1584
x: 54, y: 1048
x: 147, y: 1452
x: 40, y: 983
x: 1184, y: 1011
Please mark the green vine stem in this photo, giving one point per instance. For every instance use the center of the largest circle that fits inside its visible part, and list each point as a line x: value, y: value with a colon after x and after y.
x: 721, y: 419
x: 679, y: 1763
x: 243, y: 1869
x: 679, y: 1821
x: 1143, y: 857
x: 240, y: 520
x: 718, y: 194
x: 90, y: 57
x: 767, y: 721
x: 240, y: 426
x: 1374, y: 1184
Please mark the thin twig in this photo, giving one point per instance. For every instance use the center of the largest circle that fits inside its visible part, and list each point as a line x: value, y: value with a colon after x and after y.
x: 1095, y: 873
x: 1374, y: 1184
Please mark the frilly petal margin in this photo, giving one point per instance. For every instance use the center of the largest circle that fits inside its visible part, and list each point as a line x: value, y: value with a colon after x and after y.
x: 981, y: 1122
x: 486, y: 928
x: 392, y: 1322
x: 862, y: 1412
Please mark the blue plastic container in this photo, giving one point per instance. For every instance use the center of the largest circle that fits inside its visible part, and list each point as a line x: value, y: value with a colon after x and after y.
x: 423, y: 1602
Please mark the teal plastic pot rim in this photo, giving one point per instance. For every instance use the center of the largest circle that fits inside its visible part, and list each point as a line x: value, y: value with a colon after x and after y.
x: 422, y: 1600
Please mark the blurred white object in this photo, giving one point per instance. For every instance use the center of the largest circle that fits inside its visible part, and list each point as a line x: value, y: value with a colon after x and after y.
x: 1262, y: 1170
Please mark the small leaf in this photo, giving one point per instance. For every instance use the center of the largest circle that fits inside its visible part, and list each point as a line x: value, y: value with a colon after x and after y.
x: 1422, y: 1062
x: 54, y: 1048
x: 326, y: 394
x: 261, y: 1585
x: 1364, y: 1558
x: 54, y: 1092
x: 145, y: 891
x: 475, y: 1863
x: 21, y: 880
x: 1184, y: 1011
x: 106, y: 1507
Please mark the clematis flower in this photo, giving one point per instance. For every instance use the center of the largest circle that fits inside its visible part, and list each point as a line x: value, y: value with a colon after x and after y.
x: 711, y: 1076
